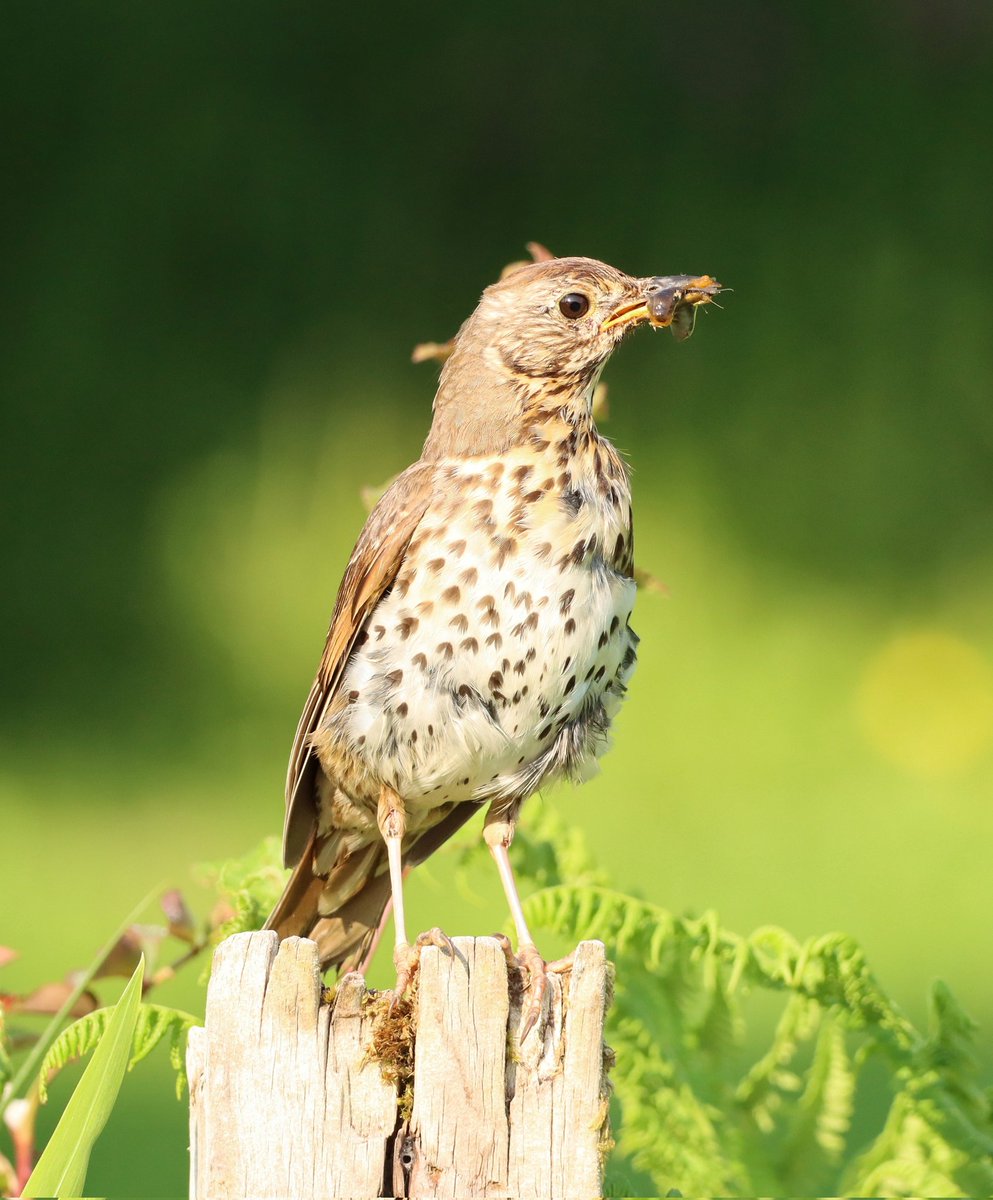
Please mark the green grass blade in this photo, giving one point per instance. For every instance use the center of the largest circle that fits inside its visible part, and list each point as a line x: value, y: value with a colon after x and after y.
x: 29, y: 1068
x: 61, y: 1170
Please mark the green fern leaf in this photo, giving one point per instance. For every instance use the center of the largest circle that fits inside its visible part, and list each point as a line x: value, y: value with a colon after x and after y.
x: 154, y: 1022
x: 820, y: 1119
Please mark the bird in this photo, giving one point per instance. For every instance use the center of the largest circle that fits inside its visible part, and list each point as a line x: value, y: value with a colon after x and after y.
x: 480, y: 644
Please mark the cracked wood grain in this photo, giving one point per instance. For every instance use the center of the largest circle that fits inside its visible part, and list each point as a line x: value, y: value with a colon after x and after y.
x: 284, y: 1102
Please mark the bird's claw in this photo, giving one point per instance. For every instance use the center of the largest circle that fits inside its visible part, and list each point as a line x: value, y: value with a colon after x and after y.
x: 407, y: 958
x: 528, y: 961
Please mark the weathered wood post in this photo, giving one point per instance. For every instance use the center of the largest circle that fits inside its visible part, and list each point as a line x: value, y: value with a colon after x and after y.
x: 289, y: 1094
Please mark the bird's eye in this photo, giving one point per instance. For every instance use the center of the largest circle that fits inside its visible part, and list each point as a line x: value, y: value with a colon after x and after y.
x: 574, y: 305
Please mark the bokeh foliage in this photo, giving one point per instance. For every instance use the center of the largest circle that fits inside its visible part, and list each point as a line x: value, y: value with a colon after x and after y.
x: 225, y: 226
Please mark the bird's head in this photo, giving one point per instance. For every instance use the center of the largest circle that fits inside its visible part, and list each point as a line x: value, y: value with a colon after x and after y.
x: 565, y: 316
x: 545, y: 330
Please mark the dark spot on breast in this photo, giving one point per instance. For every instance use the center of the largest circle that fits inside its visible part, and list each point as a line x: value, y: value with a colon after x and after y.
x: 460, y: 623
x: 575, y: 555
x: 525, y: 599
x: 504, y: 547
x: 543, y: 710
x: 529, y: 657
x: 619, y: 546
x: 445, y: 649
x: 570, y: 627
x: 420, y: 660
x: 413, y: 736
x: 615, y: 625
x: 402, y: 710
x: 494, y: 640
x: 431, y: 734
x: 520, y: 667
x: 602, y: 640
x: 451, y: 595
x: 519, y: 474
x: 379, y: 630
x: 352, y: 696
x: 436, y: 564
x: 524, y: 690
x: 425, y: 607
x: 533, y: 497
x: 469, y: 644
x: 572, y: 502
x: 529, y: 622
x: 517, y: 698
x: 457, y: 548
x: 570, y: 684
x: 566, y: 664
x: 566, y: 599
x: 599, y: 675
x: 406, y: 627
x: 539, y: 443
x: 544, y: 732
x: 509, y: 591
x: 469, y: 576
x: 394, y: 678
x: 483, y: 509
x: 360, y: 740
x: 362, y: 638
x: 496, y: 680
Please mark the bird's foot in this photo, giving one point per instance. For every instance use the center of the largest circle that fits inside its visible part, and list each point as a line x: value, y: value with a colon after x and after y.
x: 407, y: 958
x: 534, y: 972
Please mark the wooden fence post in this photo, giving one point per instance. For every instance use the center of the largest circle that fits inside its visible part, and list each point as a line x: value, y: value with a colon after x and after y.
x: 286, y: 1099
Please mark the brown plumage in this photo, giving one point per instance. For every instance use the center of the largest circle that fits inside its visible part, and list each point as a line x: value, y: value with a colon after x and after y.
x: 480, y: 643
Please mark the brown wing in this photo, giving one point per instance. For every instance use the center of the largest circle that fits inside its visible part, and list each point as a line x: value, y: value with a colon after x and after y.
x: 371, y: 571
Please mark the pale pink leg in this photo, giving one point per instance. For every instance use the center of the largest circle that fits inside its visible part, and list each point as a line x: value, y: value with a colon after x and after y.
x: 498, y: 831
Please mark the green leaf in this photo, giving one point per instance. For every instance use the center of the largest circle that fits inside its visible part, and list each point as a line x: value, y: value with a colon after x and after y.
x: 61, y: 1170
x: 252, y: 884
x: 28, y: 1069
x: 155, y: 1022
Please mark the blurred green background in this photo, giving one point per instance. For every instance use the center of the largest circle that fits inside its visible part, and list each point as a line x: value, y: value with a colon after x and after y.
x: 224, y: 228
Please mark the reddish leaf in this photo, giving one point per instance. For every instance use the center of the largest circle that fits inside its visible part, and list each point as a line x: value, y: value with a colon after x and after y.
x: 50, y: 997
x: 181, y: 922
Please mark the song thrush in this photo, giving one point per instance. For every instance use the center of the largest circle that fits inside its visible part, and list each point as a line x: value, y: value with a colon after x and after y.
x: 480, y: 644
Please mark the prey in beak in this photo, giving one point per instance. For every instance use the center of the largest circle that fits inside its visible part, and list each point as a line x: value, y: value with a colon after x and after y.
x: 669, y: 301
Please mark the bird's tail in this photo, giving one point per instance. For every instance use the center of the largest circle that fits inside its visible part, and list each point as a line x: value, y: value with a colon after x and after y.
x: 354, y: 897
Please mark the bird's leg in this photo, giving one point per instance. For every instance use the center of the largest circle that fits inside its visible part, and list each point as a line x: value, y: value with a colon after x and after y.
x: 392, y: 820
x: 498, y: 832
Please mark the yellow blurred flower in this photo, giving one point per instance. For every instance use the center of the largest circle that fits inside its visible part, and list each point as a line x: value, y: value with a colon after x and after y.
x: 925, y: 703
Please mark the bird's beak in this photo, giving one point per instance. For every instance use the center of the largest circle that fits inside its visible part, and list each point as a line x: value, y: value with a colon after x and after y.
x: 663, y: 298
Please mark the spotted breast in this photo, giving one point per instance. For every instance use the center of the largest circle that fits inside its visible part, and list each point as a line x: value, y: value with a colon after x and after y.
x: 500, y: 655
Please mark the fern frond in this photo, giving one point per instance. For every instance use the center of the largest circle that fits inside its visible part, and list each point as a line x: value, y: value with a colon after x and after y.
x: 820, y: 1119
x: 252, y: 885
x: 155, y: 1021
